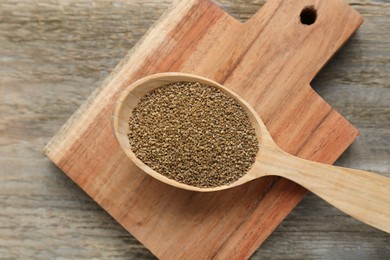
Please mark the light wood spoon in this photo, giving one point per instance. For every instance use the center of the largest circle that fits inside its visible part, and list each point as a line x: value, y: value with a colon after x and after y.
x: 363, y: 195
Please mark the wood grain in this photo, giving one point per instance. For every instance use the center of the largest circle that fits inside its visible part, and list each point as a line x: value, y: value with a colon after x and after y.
x: 270, y: 66
x: 51, y: 61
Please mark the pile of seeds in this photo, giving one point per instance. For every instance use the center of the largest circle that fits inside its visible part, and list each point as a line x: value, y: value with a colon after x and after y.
x: 194, y: 134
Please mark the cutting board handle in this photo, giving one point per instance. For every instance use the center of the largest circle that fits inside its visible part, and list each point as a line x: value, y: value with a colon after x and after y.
x: 314, y: 30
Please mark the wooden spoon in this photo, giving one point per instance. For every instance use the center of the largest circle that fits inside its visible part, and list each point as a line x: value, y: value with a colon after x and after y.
x: 363, y: 195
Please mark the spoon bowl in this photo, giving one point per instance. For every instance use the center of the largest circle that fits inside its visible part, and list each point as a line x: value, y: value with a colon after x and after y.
x: 130, y: 99
x: 363, y: 195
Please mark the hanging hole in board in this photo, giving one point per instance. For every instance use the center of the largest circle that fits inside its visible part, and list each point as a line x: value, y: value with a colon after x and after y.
x: 308, y: 15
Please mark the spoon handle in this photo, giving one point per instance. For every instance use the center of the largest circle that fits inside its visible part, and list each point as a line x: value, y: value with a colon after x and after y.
x: 362, y: 195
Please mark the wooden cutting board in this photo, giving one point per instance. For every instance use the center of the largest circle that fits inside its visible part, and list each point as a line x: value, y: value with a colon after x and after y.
x: 268, y: 60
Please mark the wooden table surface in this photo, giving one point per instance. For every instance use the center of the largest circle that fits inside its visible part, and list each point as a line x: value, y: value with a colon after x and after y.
x: 53, y: 54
